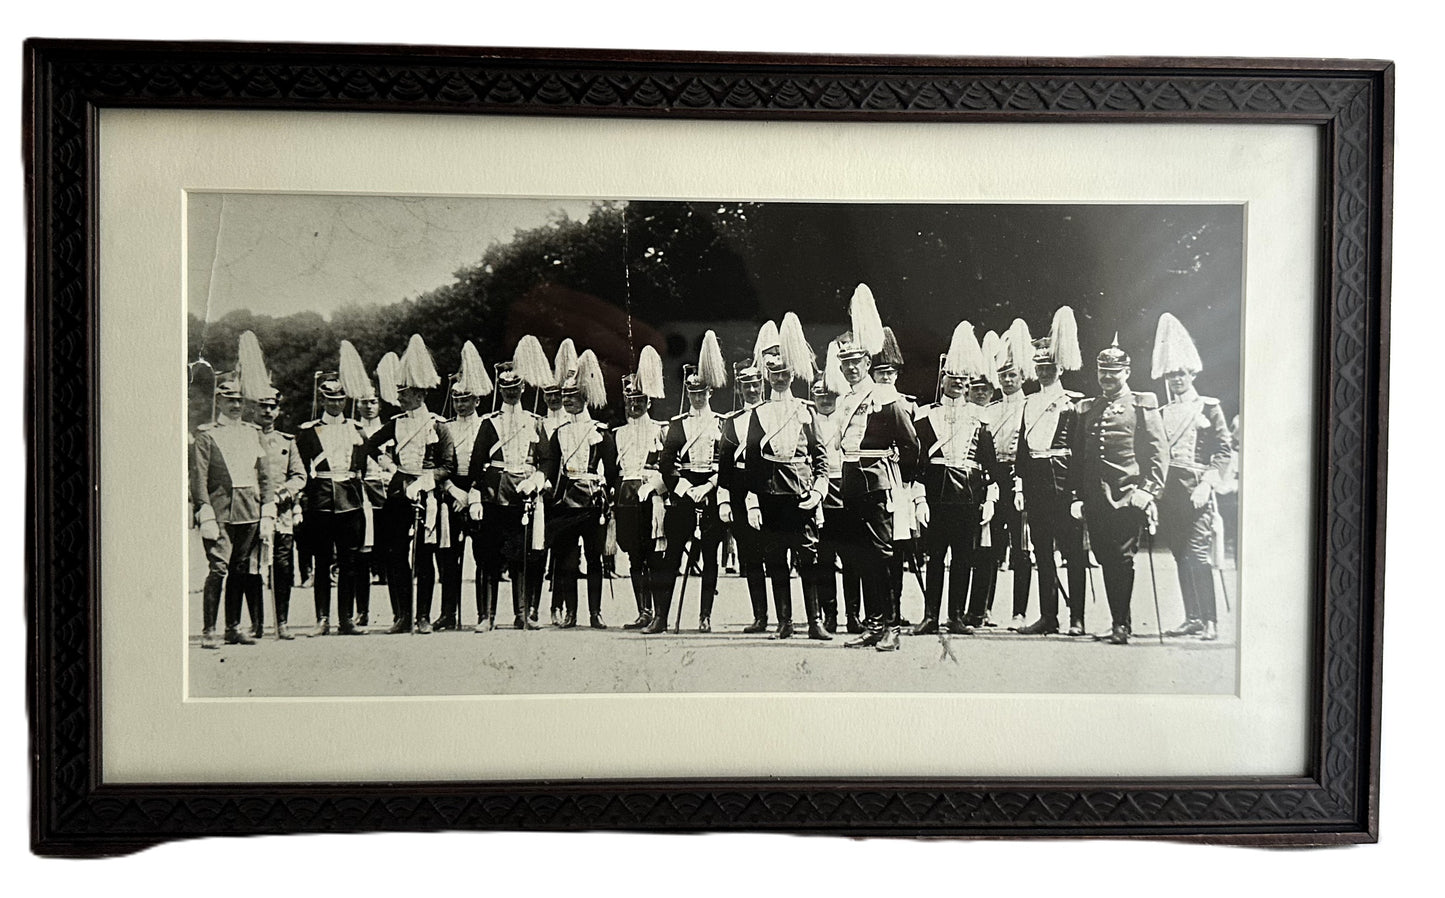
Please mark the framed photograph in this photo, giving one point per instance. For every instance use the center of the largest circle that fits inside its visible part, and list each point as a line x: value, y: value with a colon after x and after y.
x: 445, y: 438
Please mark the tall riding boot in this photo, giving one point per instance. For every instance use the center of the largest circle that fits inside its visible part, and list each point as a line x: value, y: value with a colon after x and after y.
x: 660, y: 589
x: 783, y: 603
x: 1204, y: 590
x: 759, y: 599
x: 362, y: 589
x: 210, y: 609
x: 1023, y: 576
x: 282, y: 591
x: 929, y: 625
x: 255, y: 606
x: 639, y: 592
x: 235, y: 595
x: 852, y: 599
x: 817, y: 623
x: 594, y: 600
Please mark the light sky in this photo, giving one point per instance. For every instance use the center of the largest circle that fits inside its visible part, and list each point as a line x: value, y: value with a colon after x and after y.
x: 284, y: 253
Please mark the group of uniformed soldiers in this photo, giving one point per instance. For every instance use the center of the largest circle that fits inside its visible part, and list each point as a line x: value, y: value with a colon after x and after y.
x: 857, y: 481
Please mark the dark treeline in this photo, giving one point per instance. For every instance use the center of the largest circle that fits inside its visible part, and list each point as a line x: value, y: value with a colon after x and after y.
x: 659, y: 273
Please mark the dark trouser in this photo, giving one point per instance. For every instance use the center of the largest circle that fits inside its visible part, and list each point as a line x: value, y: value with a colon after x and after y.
x: 232, y: 560
x: 1188, y: 533
x: 902, y: 549
x: 644, y: 560
x: 283, y: 575
x: 1005, y: 534
x: 788, y: 530
x: 571, y: 534
x: 397, y: 538
x: 449, y: 564
x: 869, y: 544
x: 335, y: 535
x: 952, y: 533
x: 830, y: 549
x: 304, y: 554
x: 501, y: 544
x: 1050, y: 525
x: 693, y: 531
x: 369, y: 561
x: 750, y: 562
x: 1114, y: 535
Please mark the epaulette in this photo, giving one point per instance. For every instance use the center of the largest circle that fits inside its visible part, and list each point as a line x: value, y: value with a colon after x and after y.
x: 1086, y: 403
x: 681, y: 417
x: 1209, y: 400
x: 1146, y: 400
x: 307, y: 425
x: 285, y: 435
x: 1074, y: 395
x: 885, y: 393
x: 205, y: 427
x: 438, y: 419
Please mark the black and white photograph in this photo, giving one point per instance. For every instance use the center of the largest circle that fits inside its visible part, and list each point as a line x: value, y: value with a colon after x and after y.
x: 486, y: 445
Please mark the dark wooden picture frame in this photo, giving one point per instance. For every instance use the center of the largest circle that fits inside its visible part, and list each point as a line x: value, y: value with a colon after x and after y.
x: 69, y: 82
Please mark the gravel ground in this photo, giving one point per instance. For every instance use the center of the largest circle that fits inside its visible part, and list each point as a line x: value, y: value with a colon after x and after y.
x: 550, y: 660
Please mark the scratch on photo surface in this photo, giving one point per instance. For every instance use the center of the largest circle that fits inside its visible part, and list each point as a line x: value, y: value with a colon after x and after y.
x: 948, y: 654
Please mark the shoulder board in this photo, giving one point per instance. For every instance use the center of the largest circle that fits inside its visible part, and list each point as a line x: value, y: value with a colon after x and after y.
x: 1086, y: 403
x: 205, y: 427
x: 533, y: 415
x: 285, y: 436
x: 884, y: 394
x: 308, y: 425
x: 910, y: 397
x: 678, y: 418
x: 1209, y: 400
x: 1074, y: 395
x: 1145, y: 400
x: 438, y: 418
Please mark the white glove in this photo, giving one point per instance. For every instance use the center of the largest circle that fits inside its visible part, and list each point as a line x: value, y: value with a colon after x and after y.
x: 987, y: 513
x: 1076, y: 510
x: 1140, y: 499
x: 921, y: 513
x: 1200, y: 496
x: 814, y: 499
x: 755, y: 518
x: 1019, y: 501
x: 725, y: 513
x: 206, y: 519
x: 413, y: 490
x: 268, y: 529
x: 475, y: 511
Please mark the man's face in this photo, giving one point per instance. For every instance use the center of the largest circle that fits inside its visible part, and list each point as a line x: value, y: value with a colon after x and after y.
x: 1112, y: 380
x: 825, y: 403
x: 266, y: 414
x: 511, y: 395
x: 980, y: 394
x: 572, y: 403
x: 780, y: 380
x: 410, y: 398
x: 1048, y: 372
x: 953, y: 387
x: 1009, y: 381
x: 886, y: 376
x: 855, y: 369
x: 699, y: 399
x: 752, y: 391
x: 1179, y: 382
x: 466, y: 405
x: 637, y: 406
x: 334, y: 407
x: 368, y: 409
x: 552, y: 399
x: 231, y: 407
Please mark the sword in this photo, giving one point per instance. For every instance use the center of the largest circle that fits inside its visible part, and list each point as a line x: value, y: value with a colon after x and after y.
x: 692, y: 554
x: 1153, y: 580
x: 267, y: 560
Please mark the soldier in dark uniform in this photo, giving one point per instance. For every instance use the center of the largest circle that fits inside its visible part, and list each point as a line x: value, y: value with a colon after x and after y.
x: 833, y: 534
x: 554, y: 416
x: 505, y: 483
x: 732, y: 487
x: 289, y: 475
x: 637, y: 491
x: 1012, y: 362
x: 689, y: 466
x: 331, y: 452
x: 579, y: 457
x: 1118, y: 473
x: 461, y: 431
x: 420, y: 456
x: 957, y: 468
x: 787, y: 469
x: 1044, y: 459
x: 1200, y: 457
x: 233, y: 503
x: 373, y: 482
x: 880, y: 458
x: 886, y: 364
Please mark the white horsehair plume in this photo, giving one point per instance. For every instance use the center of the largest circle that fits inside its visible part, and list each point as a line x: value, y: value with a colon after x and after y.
x: 649, y: 373
x: 994, y: 349
x: 590, y: 382
x: 251, y: 368
x: 833, y: 377
x: 797, y: 354
x: 1174, y: 349
x: 387, y: 372
x: 711, y: 368
x: 352, y: 372
x: 1021, y: 348
x: 965, y: 356
x: 1064, y: 340
x: 530, y: 363
x: 417, y: 368
x: 473, y: 376
x: 867, y: 326
x: 767, y: 339
x: 565, y: 361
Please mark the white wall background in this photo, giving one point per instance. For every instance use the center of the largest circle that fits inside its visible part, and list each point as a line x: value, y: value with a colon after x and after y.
x: 553, y: 864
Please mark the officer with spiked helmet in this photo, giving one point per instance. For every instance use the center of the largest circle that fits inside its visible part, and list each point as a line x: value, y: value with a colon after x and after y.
x: 1043, y: 461
x: 880, y: 457
x: 331, y: 452
x: 1200, y: 455
x: 1119, y: 462
x: 733, y: 484
x: 468, y: 387
x: 419, y: 454
x: 233, y: 497
x: 1010, y: 357
x: 289, y: 475
x: 689, y: 466
x: 579, y: 456
x: 787, y: 472
x: 638, y: 492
